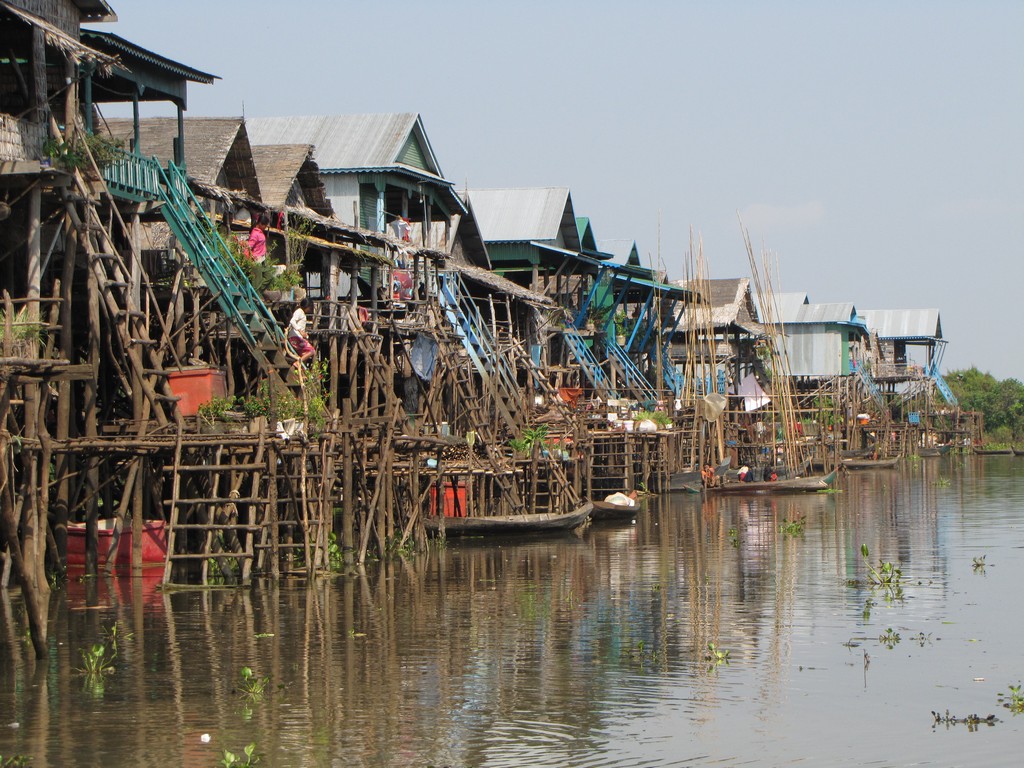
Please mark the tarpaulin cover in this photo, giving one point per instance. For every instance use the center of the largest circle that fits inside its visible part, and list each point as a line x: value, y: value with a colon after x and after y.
x: 424, y: 356
x: 753, y: 396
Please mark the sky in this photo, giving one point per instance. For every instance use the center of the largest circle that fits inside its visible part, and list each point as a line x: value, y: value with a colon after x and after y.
x: 874, y: 150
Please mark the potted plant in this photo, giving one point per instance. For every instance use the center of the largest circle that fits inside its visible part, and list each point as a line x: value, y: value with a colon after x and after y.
x: 620, y: 327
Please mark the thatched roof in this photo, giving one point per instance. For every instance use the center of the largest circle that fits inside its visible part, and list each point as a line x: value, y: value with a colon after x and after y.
x: 500, y: 284
x: 289, y: 175
x: 731, y: 304
x: 216, y: 148
x: 74, y: 50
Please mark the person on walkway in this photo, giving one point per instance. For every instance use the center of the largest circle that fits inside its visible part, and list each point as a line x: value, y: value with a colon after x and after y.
x: 298, y: 336
x: 257, y: 244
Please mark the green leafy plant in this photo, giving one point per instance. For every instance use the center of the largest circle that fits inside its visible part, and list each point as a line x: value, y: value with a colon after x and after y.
x: 252, y: 687
x: 14, y: 761
x: 889, y: 638
x: 734, y: 538
x: 619, y: 321
x: 1014, y: 700
x: 278, y: 403
x: 885, y: 575
x: 979, y: 564
x: 716, y: 655
x: 216, y: 408
x: 531, y: 436
x: 660, y: 418
x: 96, y: 660
x: 231, y: 760
x: 299, y: 231
x: 793, y: 527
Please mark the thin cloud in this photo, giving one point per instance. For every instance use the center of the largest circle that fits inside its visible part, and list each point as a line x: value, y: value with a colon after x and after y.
x: 979, y: 209
x: 765, y: 217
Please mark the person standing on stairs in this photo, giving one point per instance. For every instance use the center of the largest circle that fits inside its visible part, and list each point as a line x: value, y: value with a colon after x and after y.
x: 298, y: 336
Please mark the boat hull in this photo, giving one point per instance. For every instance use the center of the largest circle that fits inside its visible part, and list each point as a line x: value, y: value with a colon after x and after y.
x: 604, y: 511
x: 871, y: 463
x: 509, y: 525
x: 154, y: 544
x: 793, y: 485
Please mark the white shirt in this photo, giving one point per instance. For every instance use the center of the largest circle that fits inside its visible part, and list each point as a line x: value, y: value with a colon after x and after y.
x: 297, y: 325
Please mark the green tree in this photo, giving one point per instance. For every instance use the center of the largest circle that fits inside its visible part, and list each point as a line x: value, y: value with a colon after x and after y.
x: 1000, y: 402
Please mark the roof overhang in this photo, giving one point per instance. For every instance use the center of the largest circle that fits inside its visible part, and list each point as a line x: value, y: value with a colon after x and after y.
x: 95, y: 10
x: 74, y: 49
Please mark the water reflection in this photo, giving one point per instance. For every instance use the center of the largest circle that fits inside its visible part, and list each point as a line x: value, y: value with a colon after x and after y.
x: 571, y: 651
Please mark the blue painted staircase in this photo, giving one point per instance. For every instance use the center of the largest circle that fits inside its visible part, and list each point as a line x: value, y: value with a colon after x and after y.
x: 482, y: 348
x: 632, y: 377
x: 580, y: 350
x: 871, y: 386
x: 942, y: 386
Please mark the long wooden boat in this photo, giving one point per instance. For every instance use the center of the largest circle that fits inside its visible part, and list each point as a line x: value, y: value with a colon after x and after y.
x: 993, y: 451
x: 604, y: 511
x: 930, y: 451
x: 790, y: 485
x: 689, y: 480
x: 154, y: 544
x: 856, y: 453
x: 871, y: 463
x: 510, y: 525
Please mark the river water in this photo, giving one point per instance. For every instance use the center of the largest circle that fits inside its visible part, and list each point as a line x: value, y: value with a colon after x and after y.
x: 575, y: 651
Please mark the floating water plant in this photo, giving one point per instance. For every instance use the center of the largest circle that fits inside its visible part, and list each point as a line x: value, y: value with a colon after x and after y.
x: 889, y: 638
x: 734, y: 538
x: 979, y: 564
x: 716, y: 655
x: 885, y: 575
x: 231, y: 760
x: 96, y: 660
x: 793, y: 527
x: 1014, y: 700
x: 14, y: 761
x: 252, y: 687
x: 971, y: 721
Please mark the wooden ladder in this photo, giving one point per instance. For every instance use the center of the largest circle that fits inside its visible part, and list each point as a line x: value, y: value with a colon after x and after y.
x: 218, y: 483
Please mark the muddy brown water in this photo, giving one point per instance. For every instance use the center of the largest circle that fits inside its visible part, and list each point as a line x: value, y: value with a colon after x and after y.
x: 575, y: 651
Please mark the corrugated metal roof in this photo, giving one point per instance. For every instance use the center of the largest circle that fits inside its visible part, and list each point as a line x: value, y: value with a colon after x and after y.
x: 347, y: 142
x: 841, y: 312
x: 115, y: 43
x: 785, y: 307
x: 904, y: 323
x: 521, y: 214
x: 621, y: 249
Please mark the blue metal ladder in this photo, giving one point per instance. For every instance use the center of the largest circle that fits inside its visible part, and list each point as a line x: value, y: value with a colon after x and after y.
x: 591, y: 367
x: 872, y: 386
x: 635, y: 381
x: 942, y: 386
x: 481, y: 346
